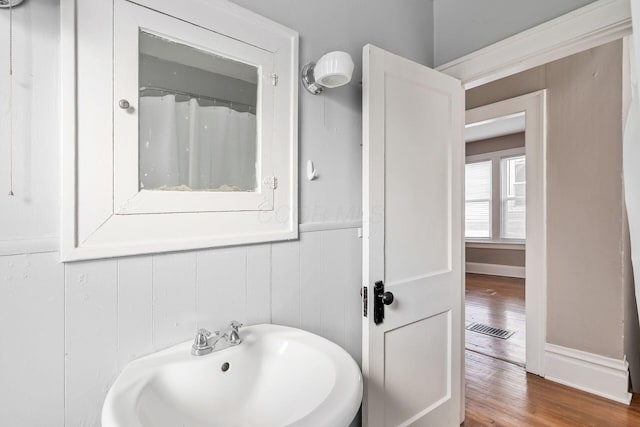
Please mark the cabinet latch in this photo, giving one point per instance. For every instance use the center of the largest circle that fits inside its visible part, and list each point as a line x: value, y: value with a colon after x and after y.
x: 274, y: 79
x: 271, y: 182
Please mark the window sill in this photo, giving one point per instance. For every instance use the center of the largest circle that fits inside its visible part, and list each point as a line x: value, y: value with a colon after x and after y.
x: 514, y: 246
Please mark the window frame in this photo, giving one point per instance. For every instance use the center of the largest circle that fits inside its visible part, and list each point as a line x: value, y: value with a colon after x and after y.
x: 496, y: 197
x: 504, y: 197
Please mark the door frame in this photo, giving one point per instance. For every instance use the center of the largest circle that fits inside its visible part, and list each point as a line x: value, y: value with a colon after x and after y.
x: 534, y: 107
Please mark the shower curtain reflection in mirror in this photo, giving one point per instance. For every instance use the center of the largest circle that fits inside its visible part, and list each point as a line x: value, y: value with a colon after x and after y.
x: 189, y: 146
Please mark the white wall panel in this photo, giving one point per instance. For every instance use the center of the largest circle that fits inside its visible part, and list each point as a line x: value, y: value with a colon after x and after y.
x: 258, y: 284
x: 352, y: 258
x: 221, y: 287
x: 31, y: 340
x: 311, y: 281
x: 334, y: 283
x: 174, y: 298
x: 91, y: 338
x: 285, y: 283
x: 135, y: 316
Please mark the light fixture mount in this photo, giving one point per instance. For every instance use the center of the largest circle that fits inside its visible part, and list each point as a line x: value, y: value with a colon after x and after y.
x: 309, y: 80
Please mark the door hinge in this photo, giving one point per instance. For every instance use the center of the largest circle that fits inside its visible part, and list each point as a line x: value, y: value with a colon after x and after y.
x: 364, y: 293
x: 274, y: 79
x: 271, y: 182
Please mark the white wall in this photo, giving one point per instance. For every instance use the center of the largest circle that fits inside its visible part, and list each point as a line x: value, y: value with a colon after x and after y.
x: 463, y: 26
x: 32, y: 217
x: 67, y: 330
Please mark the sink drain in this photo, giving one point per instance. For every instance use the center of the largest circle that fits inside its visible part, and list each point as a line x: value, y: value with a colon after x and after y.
x: 225, y: 367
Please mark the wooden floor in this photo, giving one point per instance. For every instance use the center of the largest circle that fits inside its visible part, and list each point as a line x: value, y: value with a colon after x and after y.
x: 501, y: 393
x: 498, y: 302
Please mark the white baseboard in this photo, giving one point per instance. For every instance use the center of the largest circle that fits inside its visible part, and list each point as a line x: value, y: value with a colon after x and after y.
x: 600, y: 375
x: 495, y: 269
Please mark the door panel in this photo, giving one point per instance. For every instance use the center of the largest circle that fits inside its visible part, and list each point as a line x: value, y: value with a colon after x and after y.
x: 428, y: 340
x: 420, y: 170
x: 413, y: 120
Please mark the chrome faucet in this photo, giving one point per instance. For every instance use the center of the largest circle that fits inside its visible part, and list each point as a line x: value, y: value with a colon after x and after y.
x: 205, y: 341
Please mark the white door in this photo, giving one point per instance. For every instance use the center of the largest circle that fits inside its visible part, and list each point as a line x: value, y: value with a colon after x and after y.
x: 413, y: 189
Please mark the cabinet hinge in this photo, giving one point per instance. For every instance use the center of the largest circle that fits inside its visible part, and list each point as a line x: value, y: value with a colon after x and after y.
x: 271, y: 182
x: 274, y: 79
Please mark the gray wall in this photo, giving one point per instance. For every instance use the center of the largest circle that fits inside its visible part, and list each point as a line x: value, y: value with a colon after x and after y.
x: 331, y: 125
x: 499, y: 143
x: 463, y: 26
x: 91, y: 318
x: 585, y: 216
x: 512, y: 257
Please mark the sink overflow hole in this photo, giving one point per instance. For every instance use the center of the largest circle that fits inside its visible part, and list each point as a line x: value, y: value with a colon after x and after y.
x: 225, y: 367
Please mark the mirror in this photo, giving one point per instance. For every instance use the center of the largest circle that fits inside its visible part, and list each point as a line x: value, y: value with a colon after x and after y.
x: 197, y: 119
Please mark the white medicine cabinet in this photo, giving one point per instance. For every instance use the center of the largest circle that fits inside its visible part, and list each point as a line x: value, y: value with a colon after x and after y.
x: 179, y: 127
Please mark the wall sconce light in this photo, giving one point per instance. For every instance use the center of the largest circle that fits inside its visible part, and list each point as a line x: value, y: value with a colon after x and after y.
x: 334, y: 69
x: 6, y: 4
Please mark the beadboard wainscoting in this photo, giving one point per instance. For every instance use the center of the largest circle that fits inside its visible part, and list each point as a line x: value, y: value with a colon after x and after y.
x: 94, y: 317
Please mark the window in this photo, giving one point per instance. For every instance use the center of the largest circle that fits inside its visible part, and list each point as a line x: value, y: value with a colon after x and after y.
x: 478, y: 200
x: 513, y: 201
x: 495, y: 196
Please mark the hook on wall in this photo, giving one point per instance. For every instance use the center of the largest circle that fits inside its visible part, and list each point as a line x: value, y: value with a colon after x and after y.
x: 311, y: 171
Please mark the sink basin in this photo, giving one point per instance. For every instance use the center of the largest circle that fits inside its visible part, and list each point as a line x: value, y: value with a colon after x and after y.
x: 277, y: 376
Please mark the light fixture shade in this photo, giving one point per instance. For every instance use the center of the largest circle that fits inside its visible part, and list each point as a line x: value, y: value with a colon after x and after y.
x: 334, y: 69
x: 5, y: 4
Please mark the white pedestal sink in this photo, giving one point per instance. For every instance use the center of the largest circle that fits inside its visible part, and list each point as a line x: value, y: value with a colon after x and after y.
x: 277, y: 376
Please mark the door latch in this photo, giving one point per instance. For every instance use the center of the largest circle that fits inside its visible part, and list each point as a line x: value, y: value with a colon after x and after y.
x: 380, y: 299
x: 364, y: 293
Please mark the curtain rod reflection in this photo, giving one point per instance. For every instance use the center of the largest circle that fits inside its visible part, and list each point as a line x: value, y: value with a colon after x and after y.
x: 239, y: 106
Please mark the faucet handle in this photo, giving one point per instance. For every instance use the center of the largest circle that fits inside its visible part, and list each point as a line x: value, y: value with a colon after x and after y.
x: 235, y: 325
x: 234, y: 337
x: 201, y: 338
x: 201, y: 345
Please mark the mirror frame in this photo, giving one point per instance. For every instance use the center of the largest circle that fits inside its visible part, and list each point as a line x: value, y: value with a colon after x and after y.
x: 92, y: 226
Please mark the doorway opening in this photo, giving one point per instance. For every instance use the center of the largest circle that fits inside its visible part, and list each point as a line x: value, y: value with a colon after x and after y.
x: 505, y: 229
x: 585, y: 104
x: 495, y: 237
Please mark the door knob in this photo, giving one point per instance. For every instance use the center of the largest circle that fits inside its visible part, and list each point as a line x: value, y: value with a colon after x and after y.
x: 387, y: 298
x: 124, y: 104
